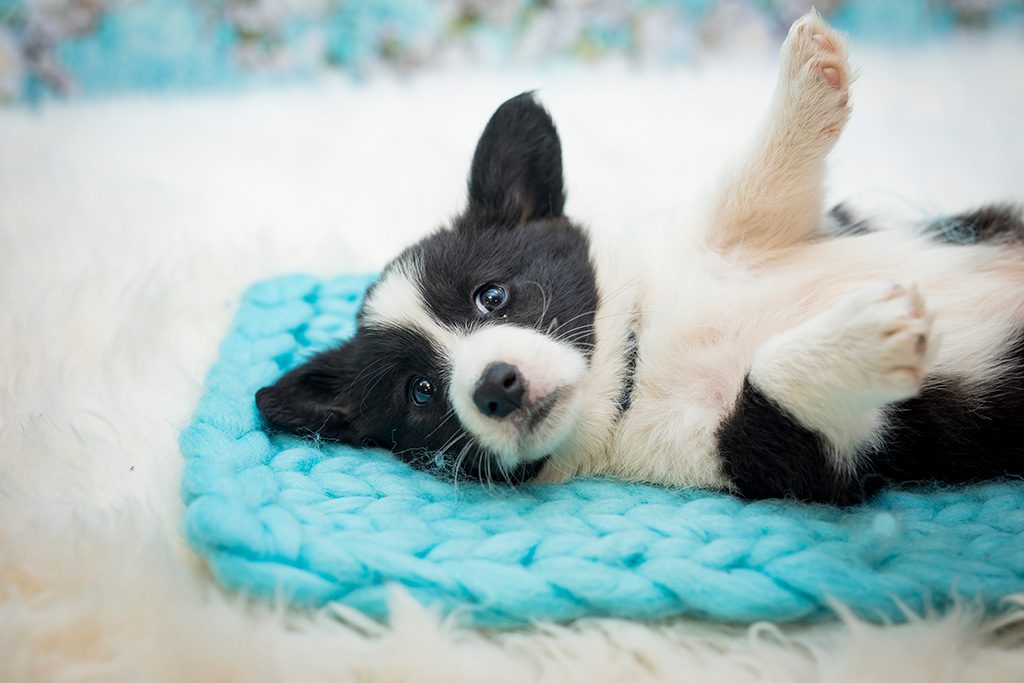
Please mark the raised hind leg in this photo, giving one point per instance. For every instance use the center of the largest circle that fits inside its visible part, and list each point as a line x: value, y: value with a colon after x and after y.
x: 773, y: 197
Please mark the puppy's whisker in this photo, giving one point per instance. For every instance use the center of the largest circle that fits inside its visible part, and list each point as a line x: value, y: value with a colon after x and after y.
x: 576, y: 317
x: 451, y: 442
x: 582, y: 330
x: 622, y: 289
x: 372, y: 366
x: 581, y: 326
x: 378, y: 377
x: 447, y: 416
x: 508, y: 479
x: 544, y: 302
x: 597, y: 319
x: 458, y: 464
x: 348, y: 387
x: 489, y: 480
x: 576, y: 333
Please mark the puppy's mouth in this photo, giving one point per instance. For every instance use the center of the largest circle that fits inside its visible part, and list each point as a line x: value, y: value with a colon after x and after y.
x: 540, y: 410
x: 532, y: 426
x: 539, y: 426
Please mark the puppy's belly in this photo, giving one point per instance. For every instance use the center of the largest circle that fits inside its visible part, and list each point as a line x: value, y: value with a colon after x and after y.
x: 702, y: 330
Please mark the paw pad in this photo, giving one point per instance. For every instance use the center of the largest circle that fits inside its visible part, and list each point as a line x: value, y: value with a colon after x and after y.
x: 888, y: 329
x: 831, y: 75
x: 816, y: 75
x: 824, y: 43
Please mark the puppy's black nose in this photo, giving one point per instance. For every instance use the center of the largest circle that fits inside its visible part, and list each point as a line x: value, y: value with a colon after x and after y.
x: 499, y: 391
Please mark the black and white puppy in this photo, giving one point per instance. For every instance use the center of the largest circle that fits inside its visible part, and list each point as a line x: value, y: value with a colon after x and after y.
x: 771, y: 349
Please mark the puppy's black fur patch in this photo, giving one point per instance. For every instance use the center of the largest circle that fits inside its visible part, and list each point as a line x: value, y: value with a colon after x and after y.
x: 841, y: 222
x: 767, y: 453
x: 976, y: 428
x: 951, y: 432
x: 998, y: 223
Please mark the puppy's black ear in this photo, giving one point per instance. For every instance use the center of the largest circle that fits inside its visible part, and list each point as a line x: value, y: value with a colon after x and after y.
x: 517, y: 168
x: 314, y: 398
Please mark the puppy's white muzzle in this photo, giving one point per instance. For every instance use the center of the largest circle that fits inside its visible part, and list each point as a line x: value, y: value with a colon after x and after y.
x: 516, y: 390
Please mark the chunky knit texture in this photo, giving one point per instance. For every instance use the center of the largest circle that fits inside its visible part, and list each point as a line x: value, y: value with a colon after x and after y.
x: 280, y: 516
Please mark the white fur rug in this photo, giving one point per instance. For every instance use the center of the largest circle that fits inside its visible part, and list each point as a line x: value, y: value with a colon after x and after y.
x: 128, y: 228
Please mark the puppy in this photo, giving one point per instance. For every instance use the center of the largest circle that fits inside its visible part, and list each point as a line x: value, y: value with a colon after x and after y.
x: 768, y: 348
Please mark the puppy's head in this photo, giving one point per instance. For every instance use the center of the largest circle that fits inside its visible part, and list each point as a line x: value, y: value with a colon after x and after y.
x: 472, y: 347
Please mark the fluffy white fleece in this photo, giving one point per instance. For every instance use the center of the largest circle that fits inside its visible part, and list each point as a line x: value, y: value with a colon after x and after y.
x: 129, y: 227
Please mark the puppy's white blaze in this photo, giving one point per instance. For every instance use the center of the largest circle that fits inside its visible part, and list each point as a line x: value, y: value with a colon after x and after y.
x: 546, y: 365
x: 397, y: 301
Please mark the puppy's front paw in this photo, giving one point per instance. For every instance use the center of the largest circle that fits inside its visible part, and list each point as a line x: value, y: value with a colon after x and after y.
x: 816, y: 76
x: 884, y: 331
x: 836, y: 371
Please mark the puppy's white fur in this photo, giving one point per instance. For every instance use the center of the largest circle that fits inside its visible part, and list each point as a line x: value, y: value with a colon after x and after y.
x: 820, y: 324
x: 396, y: 301
x: 548, y: 366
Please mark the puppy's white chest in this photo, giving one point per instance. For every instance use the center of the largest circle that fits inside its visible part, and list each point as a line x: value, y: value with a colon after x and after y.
x: 700, y: 328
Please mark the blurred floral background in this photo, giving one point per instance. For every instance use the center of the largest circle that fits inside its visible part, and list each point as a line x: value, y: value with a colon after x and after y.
x: 80, y: 48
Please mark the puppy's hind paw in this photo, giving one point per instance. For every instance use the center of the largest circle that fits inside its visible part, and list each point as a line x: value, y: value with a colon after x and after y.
x: 816, y: 75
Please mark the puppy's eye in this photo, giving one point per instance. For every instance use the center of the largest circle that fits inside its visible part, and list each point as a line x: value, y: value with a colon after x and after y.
x: 421, y: 391
x: 491, y: 298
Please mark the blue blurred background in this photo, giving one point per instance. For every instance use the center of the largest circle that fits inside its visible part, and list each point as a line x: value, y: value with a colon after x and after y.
x: 80, y: 48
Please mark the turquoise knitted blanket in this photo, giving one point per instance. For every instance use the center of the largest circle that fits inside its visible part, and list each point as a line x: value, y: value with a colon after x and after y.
x: 277, y: 516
